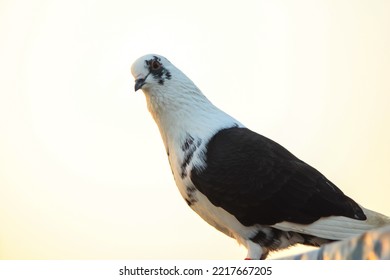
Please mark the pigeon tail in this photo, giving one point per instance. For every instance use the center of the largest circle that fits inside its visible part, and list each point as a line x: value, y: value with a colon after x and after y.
x: 338, y: 227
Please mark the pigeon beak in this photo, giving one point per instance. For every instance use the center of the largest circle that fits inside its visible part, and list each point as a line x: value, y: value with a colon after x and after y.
x: 138, y: 84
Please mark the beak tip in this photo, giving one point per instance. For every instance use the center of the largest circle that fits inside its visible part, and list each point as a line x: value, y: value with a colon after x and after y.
x: 138, y: 84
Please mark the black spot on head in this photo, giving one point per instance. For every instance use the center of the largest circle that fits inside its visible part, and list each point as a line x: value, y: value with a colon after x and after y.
x: 157, y: 69
x: 154, y: 59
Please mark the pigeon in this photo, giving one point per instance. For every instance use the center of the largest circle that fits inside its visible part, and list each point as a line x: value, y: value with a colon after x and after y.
x: 242, y: 183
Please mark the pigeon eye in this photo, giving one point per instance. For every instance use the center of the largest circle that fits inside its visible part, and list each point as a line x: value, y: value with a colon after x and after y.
x: 155, y: 65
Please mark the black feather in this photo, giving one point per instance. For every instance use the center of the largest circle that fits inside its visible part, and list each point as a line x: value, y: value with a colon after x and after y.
x: 260, y: 182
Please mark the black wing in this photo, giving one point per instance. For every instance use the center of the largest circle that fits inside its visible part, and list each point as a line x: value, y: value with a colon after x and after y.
x: 260, y: 182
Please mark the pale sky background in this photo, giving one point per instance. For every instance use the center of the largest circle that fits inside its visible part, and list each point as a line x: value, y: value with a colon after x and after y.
x: 83, y: 171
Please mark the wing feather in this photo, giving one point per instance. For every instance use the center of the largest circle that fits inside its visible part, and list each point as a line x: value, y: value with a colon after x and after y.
x: 260, y: 182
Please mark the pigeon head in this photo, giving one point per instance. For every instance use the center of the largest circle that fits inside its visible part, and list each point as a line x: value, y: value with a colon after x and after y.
x: 151, y: 71
x: 167, y: 89
x: 174, y: 101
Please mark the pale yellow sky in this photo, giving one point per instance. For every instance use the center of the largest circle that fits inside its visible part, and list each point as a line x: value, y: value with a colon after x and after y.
x: 83, y: 172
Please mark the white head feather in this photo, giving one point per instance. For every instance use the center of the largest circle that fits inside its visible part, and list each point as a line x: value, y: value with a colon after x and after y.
x: 175, y: 102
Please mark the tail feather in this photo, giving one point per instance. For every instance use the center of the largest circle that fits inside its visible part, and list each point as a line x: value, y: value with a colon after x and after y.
x: 376, y: 219
x: 338, y: 227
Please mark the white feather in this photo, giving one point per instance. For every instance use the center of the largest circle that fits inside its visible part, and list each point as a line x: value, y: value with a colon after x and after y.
x: 337, y: 227
x: 179, y: 106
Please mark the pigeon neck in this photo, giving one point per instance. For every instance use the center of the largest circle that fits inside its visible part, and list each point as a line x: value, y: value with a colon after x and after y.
x: 186, y: 111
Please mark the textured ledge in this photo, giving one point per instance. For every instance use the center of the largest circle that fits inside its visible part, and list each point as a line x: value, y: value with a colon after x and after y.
x: 372, y: 245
